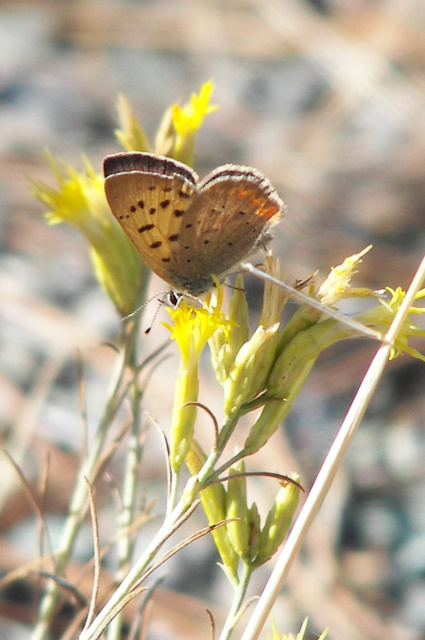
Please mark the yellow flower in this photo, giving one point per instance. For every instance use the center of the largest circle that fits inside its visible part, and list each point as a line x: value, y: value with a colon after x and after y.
x: 381, y: 317
x: 241, y: 363
x: 337, y: 284
x: 188, y: 119
x: 79, y: 200
x: 192, y: 328
x: 290, y: 636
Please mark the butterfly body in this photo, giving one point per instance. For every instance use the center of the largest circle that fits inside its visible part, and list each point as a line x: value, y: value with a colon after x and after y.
x: 187, y: 230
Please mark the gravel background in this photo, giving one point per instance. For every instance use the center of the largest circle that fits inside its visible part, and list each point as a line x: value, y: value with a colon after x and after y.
x: 327, y: 98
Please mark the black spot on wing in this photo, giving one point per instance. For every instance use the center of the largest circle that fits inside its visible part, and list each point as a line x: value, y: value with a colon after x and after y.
x: 146, y: 227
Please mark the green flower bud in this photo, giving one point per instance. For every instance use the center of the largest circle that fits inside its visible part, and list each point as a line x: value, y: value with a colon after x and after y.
x: 183, y: 417
x: 250, y: 369
x: 278, y: 521
x: 274, y: 298
x: 227, y: 341
x: 254, y: 521
x: 214, y: 503
x: 131, y: 134
x: 238, y: 529
x: 287, y: 377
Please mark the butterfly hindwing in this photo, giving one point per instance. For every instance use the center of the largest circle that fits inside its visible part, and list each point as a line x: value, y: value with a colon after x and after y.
x: 234, y: 206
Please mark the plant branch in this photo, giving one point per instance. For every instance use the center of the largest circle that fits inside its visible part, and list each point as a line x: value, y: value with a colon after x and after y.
x: 331, y: 464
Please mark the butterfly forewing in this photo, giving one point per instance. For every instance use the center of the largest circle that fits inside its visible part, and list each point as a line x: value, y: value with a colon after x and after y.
x: 149, y: 196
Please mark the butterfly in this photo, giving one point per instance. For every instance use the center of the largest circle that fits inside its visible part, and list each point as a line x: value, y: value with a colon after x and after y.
x: 186, y: 229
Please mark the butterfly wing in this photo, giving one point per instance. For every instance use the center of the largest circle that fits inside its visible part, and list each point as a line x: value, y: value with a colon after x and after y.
x: 227, y: 218
x: 149, y: 196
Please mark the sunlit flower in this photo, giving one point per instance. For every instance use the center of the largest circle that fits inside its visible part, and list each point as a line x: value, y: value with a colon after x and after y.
x: 242, y: 363
x: 79, y: 199
x: 382, y: 315
x: 290, y: 636
x: 337, y: 284
x: 187, y: 120
x: 192, y: 328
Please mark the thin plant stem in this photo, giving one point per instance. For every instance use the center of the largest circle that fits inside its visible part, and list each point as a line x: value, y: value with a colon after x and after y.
x: 175, y: 511
x: 315, y: 304
x: 79, y: 503
x: 331, y: 464
x: 172, y: 497
x: 236, y: 609
x: 129, y: 499
x: 133, y: 577
x: 95, y: 526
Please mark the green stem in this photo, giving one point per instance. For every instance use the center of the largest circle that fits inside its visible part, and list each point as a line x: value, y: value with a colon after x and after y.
x: 134, y: 576
x: 129, y: 499
x: 208, y: 473
x: 132, y: 579
x: 236, y: 609
x: 79, y: 503
x: 172, y: 498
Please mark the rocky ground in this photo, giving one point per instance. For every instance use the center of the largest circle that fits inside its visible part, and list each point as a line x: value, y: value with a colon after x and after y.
x: 327, y: 99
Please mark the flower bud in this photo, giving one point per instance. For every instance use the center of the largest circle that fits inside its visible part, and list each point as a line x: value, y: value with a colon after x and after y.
x: 251, y: 368
x: 237, y: 511
x: 278, y: 521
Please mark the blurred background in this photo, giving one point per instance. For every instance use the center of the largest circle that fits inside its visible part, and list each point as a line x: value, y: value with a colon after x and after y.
x: 327, y: 98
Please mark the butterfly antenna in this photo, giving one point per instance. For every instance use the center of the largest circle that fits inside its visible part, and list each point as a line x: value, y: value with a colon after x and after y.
x: 142, y: 306
x: 161, y: 302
